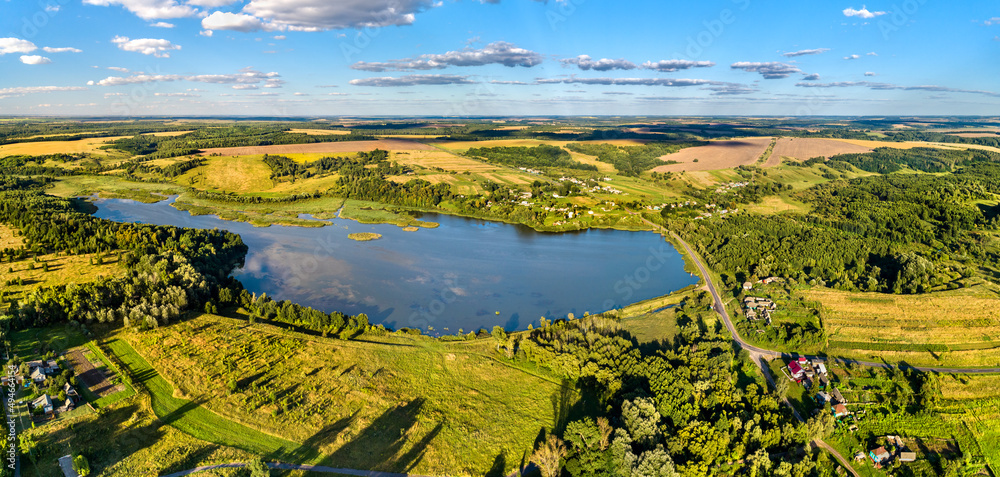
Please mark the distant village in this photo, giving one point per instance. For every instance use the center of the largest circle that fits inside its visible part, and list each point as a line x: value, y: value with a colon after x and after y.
x: 43, y: 374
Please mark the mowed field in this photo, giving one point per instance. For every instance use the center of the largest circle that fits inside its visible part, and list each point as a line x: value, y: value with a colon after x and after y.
x: 807, y: 148
x: 43, y: 148
x: 235, y: 174
x: 8, y: 239
x: 63, y: 270
x: 411, y: 405
x: 957, y: 327
x: 717, y: 155
x: 322, y: 147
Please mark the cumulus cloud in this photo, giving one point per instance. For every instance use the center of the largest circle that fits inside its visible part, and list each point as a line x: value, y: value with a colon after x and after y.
x: 811, y: 77
x: 769, y: 70
x: 35, y: 60
x: 863, y: 13
x: 670, y: 66
x: 233, y: 21
x: 246, y: 77
x: 16, y: 45
x: 584, y: 62
x: 244, y: 86
x: 501, y: 53
x: 22, y: 90
x: 178, y: 95
x: 48, y: 49
x: 118, y: 69
x: 149, y: 9
x: 852, y: 57
x: 147, y: 46
x: 869, y: 73
x: 815, y: 51
x: 412, y: 80
x: 992, y: 21
x: 317, y: 15
x: 890, y: 86
x: 162, y: 25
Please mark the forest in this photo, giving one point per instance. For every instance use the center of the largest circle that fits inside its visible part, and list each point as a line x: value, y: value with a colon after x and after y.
x: 632, y: 160
x: 543, y: 156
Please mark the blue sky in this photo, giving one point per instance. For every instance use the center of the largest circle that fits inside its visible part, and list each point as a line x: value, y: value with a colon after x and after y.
x: 498, y: 57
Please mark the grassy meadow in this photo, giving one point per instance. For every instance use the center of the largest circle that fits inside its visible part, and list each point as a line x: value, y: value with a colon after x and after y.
x: 958, y: 327
x: 392, y: 403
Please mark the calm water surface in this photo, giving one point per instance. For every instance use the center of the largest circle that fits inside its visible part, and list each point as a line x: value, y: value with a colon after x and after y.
x: 458, y: 275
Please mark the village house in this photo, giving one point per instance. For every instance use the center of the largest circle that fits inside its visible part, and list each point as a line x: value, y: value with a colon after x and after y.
x: 907, y: 456
x: 837, y: 396
x: 822, y: 397
x: 879, y: 456
x: 796, y: 371
x: 70, y: 391
x: 820, y: 368
x: 43, y: 402
x: 747, y: 286
x: 840, y: 410
x: 52, y: 367
x: 38, y: 376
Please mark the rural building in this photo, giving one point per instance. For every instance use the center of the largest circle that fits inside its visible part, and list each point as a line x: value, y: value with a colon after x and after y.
x: 837, y: 396
x: 823, y: 381
x: 52, y: 367
x: 879, y: 456
x: 35, y: 364
x: 907, y: 456
x: 747, y: 286
x: 840, y: 410
x: 44, y: 402
x: 860, y: 456
x: 820, y: 368
x: 822, y: 397
x: 70, y: 391
x: 38, y: 376
x: 796, y: 370
x: 770, y: 280
x: 66, y: 464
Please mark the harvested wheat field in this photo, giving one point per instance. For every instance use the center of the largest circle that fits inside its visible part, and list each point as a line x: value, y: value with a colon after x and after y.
x: 321, y: 132
x: 717, y: 155
x: 437, y: 158
x: 980, y: 134
x: 801, y: 149
x: 321, y: 147
x: 44, y: 148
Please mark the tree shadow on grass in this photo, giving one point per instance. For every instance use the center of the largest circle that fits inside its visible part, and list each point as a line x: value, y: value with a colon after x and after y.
x: 380, y: 446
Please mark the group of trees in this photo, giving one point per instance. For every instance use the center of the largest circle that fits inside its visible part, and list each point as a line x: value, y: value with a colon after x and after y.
x: 884, y: 160
x: 677, y: 408
x: 169, y: 270
x: 632, y: 160
x: 543, y: 156
x: 265, y: 308
x: 153, y: 147
x: 893, y: 233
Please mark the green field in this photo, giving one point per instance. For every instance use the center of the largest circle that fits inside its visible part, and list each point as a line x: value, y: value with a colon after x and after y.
x: 459, y: 407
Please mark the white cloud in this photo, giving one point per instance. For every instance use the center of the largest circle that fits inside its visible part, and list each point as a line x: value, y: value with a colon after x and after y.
x: 316, y: 15
x: 232, y: 21
x: 871, y: 53
x: 16, y: 45
x: 35, y: 60
x: 162, y: 25
x: 769, y: 70
x: 244, y: 86
x: 149, y: 9
x: 501, y: 53
x: 584, y: 62
x: 279, y: 37
x: 670, y: 66
x: 869, y: 73
x: 814, y: 51
x: 178, y: 95
x: 22, y: 90
x: 992, y: 21
x: 246, y: 77
x: 147, y: 46
x: 412, y: 80
x: 205, y: 33
x: 852, y: 57
x: 629, y: 81
x: 48, y: 49
x: 118, y: 68
x: 863, y: 13
x: 52, y: 8
x: 811, y: 77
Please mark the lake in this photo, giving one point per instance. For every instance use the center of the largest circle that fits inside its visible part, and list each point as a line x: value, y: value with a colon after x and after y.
x: 466, y: 274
